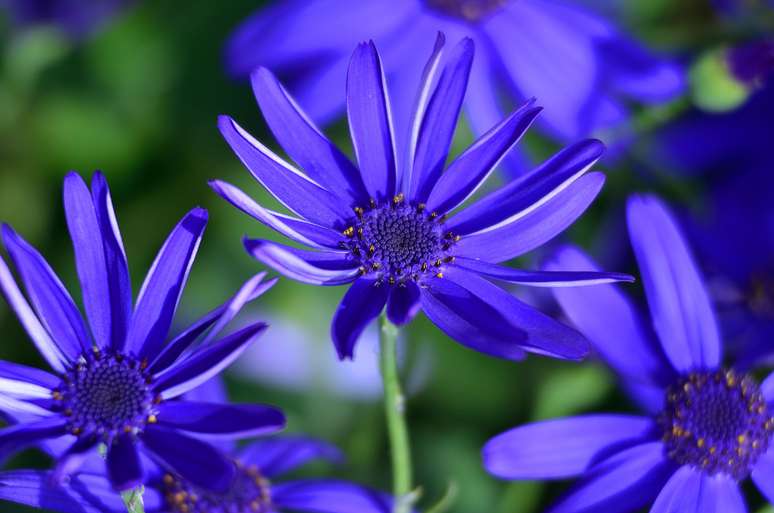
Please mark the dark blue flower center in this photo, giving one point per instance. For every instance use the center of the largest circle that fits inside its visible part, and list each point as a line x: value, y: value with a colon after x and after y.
x: 106, y: 395
x: 250, y: 492
x: 470, y: 10
x: 718, y: 422
x: 398, y: 242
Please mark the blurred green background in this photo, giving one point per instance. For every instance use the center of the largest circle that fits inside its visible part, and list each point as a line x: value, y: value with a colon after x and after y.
x: 139, y: 101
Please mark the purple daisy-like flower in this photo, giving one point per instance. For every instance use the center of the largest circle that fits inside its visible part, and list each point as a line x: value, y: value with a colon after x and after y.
x: 116, y: 380
x: 707, y: 427
x: 396, y: 236
x: 76, y: 18
x: 526, y: 48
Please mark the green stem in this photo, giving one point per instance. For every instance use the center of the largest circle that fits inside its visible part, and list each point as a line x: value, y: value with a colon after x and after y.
x: 133, y: 500
x: 395, y: 406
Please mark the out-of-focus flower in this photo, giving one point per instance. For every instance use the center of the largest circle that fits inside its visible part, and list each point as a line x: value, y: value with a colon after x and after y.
x: 706, y: 428
x: 580, y: 66
x: 393, y: 234
x: 734, y: 230
x: 76, y: 18
x: 116, y: 381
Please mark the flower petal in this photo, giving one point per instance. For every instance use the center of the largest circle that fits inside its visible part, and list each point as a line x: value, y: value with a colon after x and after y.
x: 120, y: 285
x: 526, y: 193
x: 317, y: 156
x: 163, y: 286
x: 469, y: 171
x: 83, y: 494
x: 515, y: 237
x: 221, y: 420
x: 440, y: 121
x: 763, y: 475
x: 295, y: 229
x: 679, y: 304
x: 205, y: 363
x: 297, y: 192
x: 562, y: 448
x: 85, y: 232
x: 55, y: 357
x: 123, y: 464
x: 691, y: 491
x: 557, y: 278
x: 20, y: 436
x: 403, y: 303
x: 622, y: 483
x: 217, y: 319
x: 767, y: 388
x: 276, y: 456
x: 21, y: 373
x: 361, y: 304
x: 53, y: 304
x: 194, y: 460
x: 315, y: 268
x: 330, y: 496
x: 613, y: 324
x: 484, y: 317
x: 370, y: 123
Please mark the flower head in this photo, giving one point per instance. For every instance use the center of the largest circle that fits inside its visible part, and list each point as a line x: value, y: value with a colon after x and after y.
x: 526, y: 48
x: 395, y: 234
x: 116, y: 382
x: 706, y: 427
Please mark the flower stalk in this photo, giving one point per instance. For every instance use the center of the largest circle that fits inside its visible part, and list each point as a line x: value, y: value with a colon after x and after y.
x: 395, y: 411
x: 133, y: 500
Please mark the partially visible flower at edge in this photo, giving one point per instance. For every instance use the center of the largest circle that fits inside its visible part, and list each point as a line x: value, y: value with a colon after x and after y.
x: 393, y: 235
x: 706, y: 427
x: 118, y: 381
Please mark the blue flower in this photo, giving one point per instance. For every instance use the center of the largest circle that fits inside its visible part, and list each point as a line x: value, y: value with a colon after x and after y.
x: 391, y: 234
x: 526, y: 48
x: 705, y: 428
x: 116, y: 379
x: 76, y: 18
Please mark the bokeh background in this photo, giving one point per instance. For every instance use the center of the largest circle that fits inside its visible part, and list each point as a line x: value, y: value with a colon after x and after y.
x: 138, y: 96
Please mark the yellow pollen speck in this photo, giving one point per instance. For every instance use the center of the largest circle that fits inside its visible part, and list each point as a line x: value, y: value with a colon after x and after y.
x: 349, y: 232
x: 741, y: 439
x: 439, y: 275
x: 152, y: 419
x: 700, y: 443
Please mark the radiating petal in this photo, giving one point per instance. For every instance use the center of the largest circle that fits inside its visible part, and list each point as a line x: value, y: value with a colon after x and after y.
x: 562, y: 448
x: 440, y: 121
x: 21, y: 373
x: 276, y: 456
x: 163, y: 286
x: 295, y: 229
x: 315, y: 268
x: 612, y: 324
x: 71, y: 460
x: 51, y: 352
x: 370, y: 123
x: 53, y: 304
x: 691, y: 491
x: 83, y: 494
x: 763, y: 475
x: 361, y: 304
x: 403, y: 304
x: 194, y: 460
x: 486, y: 318
x: 298, y: 193
x: 115, y: 260
x: 330, y: 496
x: 217, y: 319
x: 20, y: 436
x: 515, y: 237
x: 317, y: 156
x: 767, y: 388
x: 123, y: 464
x: 221, y: 420
x: 622, y: 483
x: 469, y: 171
x: 679, y: 304
x: 205, y: 363
x: 528, y: 192
x: 86, y: 234
x: 554, y: 278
